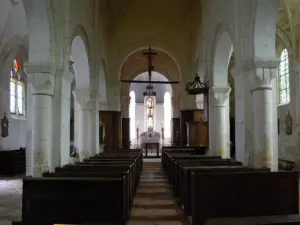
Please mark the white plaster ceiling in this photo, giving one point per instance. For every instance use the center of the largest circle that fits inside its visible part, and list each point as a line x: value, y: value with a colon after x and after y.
x: 13, y: 28
x: 169, y: 24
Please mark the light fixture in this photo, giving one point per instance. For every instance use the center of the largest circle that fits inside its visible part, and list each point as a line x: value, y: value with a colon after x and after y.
x: 197, y: 86
x: 149, y: 91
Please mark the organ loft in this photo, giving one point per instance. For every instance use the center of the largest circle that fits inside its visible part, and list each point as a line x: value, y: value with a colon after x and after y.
x: 149, y: 112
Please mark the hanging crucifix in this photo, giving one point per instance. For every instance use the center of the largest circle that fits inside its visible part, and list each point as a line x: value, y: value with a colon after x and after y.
x: 150, y: 56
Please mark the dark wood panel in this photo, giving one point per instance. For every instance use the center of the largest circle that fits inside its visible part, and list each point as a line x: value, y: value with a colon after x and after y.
x: 113, y: 129
x: 13, y: 162
x: 188, y: 116
x: 126, y: 133
x: 175, y: 127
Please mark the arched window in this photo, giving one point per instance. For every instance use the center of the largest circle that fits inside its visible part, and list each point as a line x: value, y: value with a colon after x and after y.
x: 132, y: 115
x: 17, y: 89
x: 168, y: 114
x: 284, y: 78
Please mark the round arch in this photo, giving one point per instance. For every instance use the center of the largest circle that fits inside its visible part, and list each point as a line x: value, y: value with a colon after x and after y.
x: 40, y: 31
x: 79, y: 56
x: 222, y: 55
x: 141, y: 48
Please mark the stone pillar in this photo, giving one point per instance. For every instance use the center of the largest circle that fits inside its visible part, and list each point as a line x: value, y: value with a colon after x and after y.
x: 175, y: 124
x: 94, y: 123
x: 220, y: 144
x: 125, y: 102
x: 265, y: 124
x: 82, y: 122
x: 42, y: 81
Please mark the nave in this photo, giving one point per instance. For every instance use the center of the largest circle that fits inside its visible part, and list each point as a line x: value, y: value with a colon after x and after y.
x: 159, y: 191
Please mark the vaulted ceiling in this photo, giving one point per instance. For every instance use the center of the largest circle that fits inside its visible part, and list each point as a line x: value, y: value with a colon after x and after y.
x: 169, y: 24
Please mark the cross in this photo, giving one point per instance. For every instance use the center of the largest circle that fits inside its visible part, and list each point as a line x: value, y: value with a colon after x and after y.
x: 149, y: 55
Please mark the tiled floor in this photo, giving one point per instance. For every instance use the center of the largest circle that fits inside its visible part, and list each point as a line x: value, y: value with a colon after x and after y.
x: 153, y: 204
x: 10, y: 200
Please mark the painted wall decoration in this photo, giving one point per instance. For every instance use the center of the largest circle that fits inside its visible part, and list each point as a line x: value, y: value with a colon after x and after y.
x: 4, y: 126
x: 288, y: 124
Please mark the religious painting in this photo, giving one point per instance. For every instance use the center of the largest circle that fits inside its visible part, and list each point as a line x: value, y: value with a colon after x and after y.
x: 288, y: 124
x: 4, y: 126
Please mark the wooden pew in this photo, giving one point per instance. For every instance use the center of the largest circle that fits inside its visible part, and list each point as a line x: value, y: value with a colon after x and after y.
x: 129, y: 198
x: 53, y: 200
x: 197, y: 162
x: 219, y: 195
x: 185, y: 185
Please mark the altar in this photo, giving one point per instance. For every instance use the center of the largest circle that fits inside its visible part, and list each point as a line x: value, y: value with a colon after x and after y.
x: 149, y: 140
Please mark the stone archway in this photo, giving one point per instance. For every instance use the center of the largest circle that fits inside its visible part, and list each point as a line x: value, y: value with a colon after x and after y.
x: 219, y: 129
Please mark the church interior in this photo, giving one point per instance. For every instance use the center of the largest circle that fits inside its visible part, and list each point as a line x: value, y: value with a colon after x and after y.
x: 149, y: 112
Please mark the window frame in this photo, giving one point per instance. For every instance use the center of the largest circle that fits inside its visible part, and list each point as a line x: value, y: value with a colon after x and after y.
x: 283, y: 73
x: 17, y: 81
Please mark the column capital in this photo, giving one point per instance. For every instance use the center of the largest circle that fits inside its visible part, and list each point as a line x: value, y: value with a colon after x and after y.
x: 41, y: 77
x: 220, y: 95
x: 264, y: 72
x: 251, y: 65
x: 83, y: 98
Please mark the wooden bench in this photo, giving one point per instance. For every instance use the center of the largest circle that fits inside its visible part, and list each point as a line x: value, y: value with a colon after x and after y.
x: 52, y: 200
x: 107, y: 181
x: 221, y: 195
x: 185, y: 185
x: 286, y: 164
x: 197, y: 162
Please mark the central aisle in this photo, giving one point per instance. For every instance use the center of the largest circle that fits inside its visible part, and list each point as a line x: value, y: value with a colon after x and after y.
x: 154, y: 204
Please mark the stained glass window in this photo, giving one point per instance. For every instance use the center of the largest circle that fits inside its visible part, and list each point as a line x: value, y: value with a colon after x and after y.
x: 150, y: 112
x: 284, y: 78
x: 17, y: 89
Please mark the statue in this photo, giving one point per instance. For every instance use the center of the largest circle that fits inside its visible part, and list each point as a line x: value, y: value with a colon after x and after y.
x: 4, y: 126
x: 102, y: 132
x: 288, y: 124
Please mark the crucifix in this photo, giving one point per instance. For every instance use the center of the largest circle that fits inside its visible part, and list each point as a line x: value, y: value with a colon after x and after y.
x: 150, y: 56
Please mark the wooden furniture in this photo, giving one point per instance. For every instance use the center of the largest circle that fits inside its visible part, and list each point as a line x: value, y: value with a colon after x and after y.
x: 197, y: 133
x: 113, y: 129
x: 148, y: 146
x: 286, y: 164
x: 175, y: 129
x: 13, y: 162
x: 126, y: 133
x: 99, y: 190
x: 194, y: 129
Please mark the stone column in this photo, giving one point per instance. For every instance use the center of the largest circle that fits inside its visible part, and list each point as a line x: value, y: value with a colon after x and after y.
x: 125, y: 102
x: 220, y: 144
x: 94, y: 123
x: 42, y: 81
x: 82, y: 122
x: 175, y: 125
x: 102, y: 105
x: 265, y: 124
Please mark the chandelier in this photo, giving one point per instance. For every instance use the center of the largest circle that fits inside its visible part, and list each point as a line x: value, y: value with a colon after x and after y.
x: 197, y: 86
x: 149, y: 91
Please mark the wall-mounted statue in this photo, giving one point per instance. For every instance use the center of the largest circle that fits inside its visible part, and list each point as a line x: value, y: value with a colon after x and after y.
x: 102, y: 132
x: 288, y: 124
x: 4, y: 126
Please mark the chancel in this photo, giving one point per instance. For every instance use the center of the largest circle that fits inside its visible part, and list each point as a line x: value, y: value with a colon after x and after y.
x: 149, y: 112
